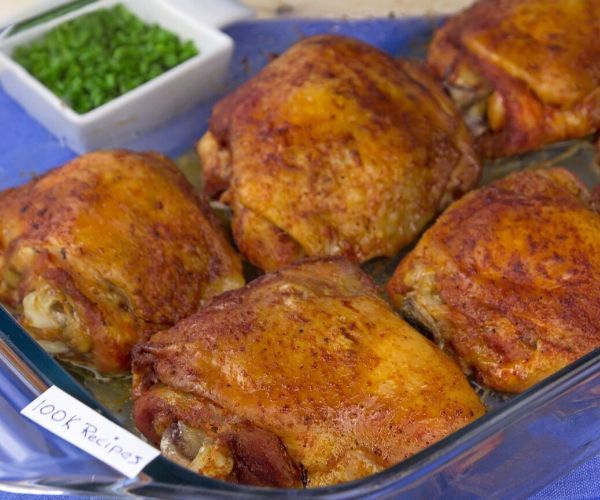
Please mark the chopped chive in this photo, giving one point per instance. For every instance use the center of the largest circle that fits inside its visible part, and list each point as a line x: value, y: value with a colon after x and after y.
x: 94, y: 58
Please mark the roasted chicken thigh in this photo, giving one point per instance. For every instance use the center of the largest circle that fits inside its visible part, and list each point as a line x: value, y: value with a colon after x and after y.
x: 98, y: 254
x: 508, y: 278
x: 524, y: 72
x: 335, y: 148
x: 303, y: 376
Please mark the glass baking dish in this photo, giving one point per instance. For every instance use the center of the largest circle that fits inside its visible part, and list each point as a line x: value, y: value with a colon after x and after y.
x: 521, y: 445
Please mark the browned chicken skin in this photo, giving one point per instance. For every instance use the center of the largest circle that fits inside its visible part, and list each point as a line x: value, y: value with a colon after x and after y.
x: 525, y: 72
x: 508, y: 278
x: 107, y: 249
x: 303, y: 369
x: 335, y: 148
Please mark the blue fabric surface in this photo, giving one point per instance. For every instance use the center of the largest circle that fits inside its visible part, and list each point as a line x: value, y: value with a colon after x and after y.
x: 25, y: 146
x: 581, y: 483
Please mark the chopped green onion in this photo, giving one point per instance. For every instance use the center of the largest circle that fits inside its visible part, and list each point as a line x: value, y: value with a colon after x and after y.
x: 94, y: 58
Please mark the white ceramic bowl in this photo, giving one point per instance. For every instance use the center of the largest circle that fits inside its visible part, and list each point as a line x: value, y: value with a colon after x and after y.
x: 137, y: 111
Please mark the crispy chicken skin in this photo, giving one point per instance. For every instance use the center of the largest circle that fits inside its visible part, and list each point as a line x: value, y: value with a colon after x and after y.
x: 335, y: 148
x: 525, y: 72
x: 508, y: 278
x: 305, y: 371
x: 102, y: 252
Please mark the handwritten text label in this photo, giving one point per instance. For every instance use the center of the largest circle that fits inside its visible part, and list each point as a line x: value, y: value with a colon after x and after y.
x: 68, y: 418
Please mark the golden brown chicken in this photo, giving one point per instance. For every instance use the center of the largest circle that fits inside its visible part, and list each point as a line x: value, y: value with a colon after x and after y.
x: 305, y: 375
x: 524, y: 72
x: 335, y: 148
x: 98, y: 254
x: 508, y: 278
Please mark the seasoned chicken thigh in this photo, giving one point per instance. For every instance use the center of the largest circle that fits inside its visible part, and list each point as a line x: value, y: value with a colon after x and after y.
x: 98, y: 254
x: 508, y: 278
x: 525, y: 72
x: 303, y: 376
x: 335, y: 148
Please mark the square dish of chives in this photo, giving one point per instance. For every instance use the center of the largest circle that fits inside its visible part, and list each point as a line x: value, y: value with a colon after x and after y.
x: 97, y: 57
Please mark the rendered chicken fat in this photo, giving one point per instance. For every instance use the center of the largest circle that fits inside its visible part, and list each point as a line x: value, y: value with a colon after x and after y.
x: 335, y: 148
x: 102, y: 252
x: 305, y: 376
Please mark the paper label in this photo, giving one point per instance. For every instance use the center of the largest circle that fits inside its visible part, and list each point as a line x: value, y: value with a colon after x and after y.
x: 70, y: 419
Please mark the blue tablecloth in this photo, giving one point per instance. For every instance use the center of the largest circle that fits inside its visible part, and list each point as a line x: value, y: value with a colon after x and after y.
x: 26, y: 148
